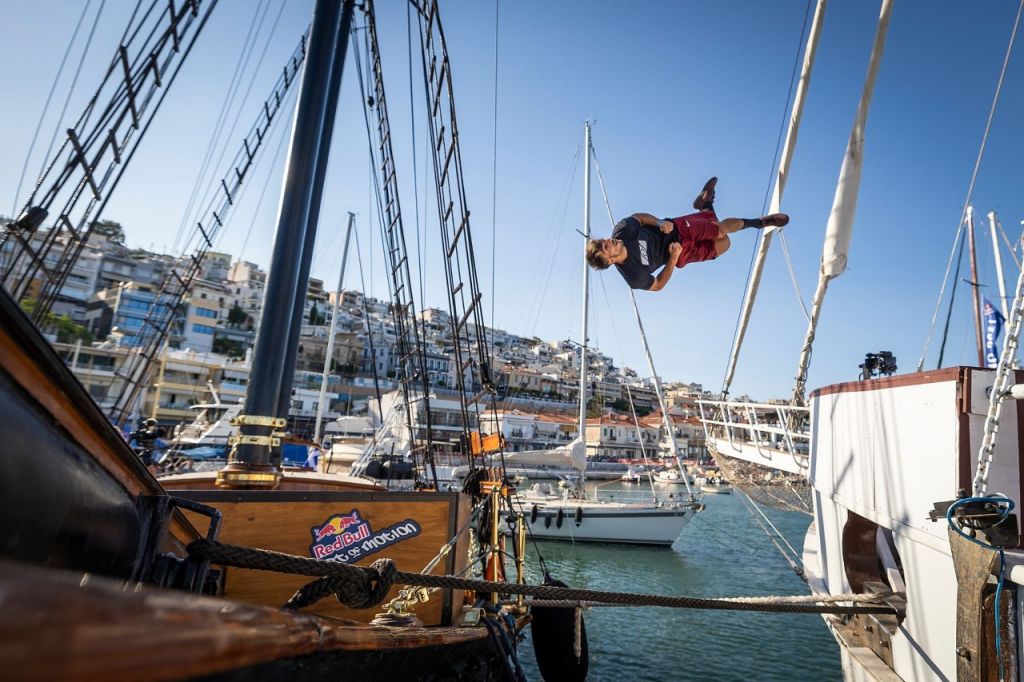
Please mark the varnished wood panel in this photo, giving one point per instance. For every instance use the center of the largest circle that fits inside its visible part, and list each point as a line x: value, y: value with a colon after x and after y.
x: 61, y: 626
x: 283, y: 522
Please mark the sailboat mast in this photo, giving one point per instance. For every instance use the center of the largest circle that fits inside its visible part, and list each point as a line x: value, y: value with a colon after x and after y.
x: 328, y: 355
x: 993, y: 224
x: 586, y: 282
x: 974, y: 287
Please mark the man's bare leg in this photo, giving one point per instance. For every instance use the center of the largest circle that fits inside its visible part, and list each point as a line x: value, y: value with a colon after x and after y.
x: 722, y: 244
x: 728, y: 226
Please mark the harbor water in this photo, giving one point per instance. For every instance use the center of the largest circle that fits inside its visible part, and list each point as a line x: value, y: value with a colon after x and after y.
x: 722, y: 552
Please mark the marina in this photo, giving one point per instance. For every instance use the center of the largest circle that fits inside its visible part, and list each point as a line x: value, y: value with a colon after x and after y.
x: 438, y: 469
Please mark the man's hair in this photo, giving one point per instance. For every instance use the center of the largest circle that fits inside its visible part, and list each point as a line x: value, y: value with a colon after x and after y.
x: 595, y: 258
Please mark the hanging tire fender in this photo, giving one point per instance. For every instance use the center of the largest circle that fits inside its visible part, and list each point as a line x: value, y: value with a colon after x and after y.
x: 578, y: 516
x: 559, y: 518
x: 533, y: 515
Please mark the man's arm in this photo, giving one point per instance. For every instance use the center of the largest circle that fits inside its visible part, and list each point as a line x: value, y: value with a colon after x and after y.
x: 665, y: 226
x: 666, y: 272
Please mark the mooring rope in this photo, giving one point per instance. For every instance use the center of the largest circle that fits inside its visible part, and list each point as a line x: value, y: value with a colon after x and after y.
x: 366, y: 586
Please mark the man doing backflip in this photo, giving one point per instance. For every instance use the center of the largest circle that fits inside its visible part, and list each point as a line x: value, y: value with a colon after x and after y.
x: 641, y: 243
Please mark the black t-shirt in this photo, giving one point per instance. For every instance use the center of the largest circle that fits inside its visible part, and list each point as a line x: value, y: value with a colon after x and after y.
x: 647, y: 251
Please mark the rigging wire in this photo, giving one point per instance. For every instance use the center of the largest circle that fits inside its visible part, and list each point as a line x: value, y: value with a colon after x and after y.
x: 494, y: 170
x: 771, y: 175
x: 219, y: 136
x: 952, y: 299
x: 1009, y: 247
x: 420, y: 256
x: 793, y: 557
x: 263, y: 192
x: 970, y: 186
x: 369, y: 334
x: 49, y: 98
x: 57, y: 129
x: 792, y: 275
x: 543, y: 282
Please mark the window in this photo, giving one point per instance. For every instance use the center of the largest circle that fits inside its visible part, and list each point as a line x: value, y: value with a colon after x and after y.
x: 203, y: 312
x: 202, y: 329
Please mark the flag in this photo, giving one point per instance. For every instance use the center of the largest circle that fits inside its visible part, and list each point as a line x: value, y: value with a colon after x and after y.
x: 993, y: 327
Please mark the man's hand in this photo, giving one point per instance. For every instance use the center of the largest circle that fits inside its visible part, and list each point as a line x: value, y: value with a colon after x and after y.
x: 667, y: 226
x: 674, y: 249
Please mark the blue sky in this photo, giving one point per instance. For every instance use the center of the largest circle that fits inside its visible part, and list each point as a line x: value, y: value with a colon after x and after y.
x: 679, y: 91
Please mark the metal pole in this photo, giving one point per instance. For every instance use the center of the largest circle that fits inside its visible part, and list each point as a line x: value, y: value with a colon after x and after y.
x: 160, y: 381
x: 495, y: 552
x: 317, y: 434
x: 586, y: 283
x: 310, y: 137
x: 520, y: 557
x: 974, y: 286
x: 994, y: 227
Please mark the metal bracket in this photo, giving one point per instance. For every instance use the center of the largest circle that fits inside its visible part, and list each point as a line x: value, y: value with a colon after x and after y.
x: 257, y: 420
x: 271, y: 441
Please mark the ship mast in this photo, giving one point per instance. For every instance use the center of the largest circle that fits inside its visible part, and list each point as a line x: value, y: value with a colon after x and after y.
x: 250, y: 462
x: 586, y: 283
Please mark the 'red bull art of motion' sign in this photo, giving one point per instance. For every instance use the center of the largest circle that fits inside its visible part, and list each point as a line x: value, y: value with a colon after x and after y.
x: 348, y: 537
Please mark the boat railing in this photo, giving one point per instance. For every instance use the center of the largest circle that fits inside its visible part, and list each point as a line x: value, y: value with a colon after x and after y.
x: 742, y: 422
x: 625, y: 496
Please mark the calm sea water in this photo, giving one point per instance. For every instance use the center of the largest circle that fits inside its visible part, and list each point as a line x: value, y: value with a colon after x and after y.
x: 721, y: 553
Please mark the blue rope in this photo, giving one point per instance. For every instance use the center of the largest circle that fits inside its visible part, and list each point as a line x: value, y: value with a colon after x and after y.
x: 1005, y: 513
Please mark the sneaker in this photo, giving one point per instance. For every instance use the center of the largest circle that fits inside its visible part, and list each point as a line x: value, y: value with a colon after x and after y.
x: 706, y: 196
x: 775, y: 220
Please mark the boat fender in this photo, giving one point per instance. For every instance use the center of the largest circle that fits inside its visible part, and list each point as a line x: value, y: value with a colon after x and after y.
x: 579, y: 516
x: 553, y: 631
x: 547, y: 520
x: 559, y: 518
x: 533, y: 515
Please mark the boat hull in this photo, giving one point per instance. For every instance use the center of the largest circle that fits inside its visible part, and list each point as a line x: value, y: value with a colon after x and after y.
x: 616, y: 525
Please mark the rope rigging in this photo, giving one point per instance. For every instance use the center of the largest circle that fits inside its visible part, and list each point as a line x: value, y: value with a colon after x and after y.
x: 970, y: 185
x: 90, y: 163
x: 178, y: 281
x: 53, y: 88
x: 218, y: 138
x: 410, y: 347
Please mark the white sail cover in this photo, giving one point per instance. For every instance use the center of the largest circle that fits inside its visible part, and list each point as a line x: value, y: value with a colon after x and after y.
x: 844, y: 206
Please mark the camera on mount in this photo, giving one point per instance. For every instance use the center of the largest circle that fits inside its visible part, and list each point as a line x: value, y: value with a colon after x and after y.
x: 880, y: 364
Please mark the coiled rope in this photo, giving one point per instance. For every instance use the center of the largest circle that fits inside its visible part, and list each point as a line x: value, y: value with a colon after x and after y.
x: 364, y: 587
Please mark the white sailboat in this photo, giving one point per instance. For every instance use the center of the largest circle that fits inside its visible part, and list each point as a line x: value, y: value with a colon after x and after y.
x: 564, y: 512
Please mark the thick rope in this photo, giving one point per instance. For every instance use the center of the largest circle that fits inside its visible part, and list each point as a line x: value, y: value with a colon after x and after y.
x: 370, y: 583
x: 857, y: 598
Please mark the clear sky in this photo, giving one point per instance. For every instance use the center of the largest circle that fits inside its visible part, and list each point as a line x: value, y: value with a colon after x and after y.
x: 679, y: 91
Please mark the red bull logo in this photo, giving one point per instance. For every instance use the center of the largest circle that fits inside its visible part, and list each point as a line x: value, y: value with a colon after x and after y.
x: 336, y: 525
x: 348, y: 537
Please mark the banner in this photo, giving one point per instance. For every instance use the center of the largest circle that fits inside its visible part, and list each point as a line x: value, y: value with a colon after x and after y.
x: 993, y: 327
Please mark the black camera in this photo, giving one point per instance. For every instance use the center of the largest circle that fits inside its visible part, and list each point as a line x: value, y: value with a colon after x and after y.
x: 880, y: 364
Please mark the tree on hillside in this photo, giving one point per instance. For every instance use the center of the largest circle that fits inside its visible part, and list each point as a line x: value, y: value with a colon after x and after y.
x: 111, y: 229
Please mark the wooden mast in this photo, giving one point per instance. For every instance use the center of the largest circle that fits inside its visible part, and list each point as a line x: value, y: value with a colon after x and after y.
x: 974, y: 287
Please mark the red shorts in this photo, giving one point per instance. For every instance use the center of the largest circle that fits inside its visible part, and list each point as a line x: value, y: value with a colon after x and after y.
x: 697, y: 234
